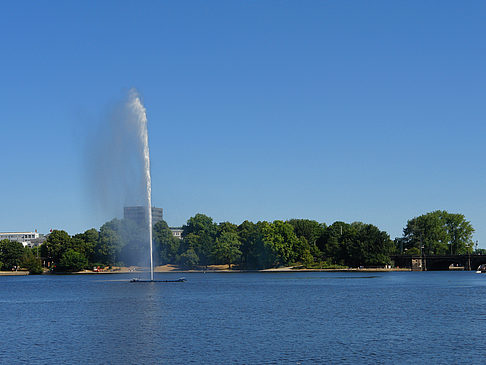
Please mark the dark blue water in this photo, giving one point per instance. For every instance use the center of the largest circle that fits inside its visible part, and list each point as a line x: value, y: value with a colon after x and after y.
x: 280, y: 318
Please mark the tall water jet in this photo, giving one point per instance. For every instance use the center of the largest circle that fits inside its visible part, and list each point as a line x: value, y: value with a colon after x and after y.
x: 139, y: 111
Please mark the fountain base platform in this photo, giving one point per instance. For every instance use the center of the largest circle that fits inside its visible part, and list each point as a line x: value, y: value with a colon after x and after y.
x: 180, y: 280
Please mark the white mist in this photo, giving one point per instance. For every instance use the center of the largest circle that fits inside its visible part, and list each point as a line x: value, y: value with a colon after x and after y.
x: 139, y: 112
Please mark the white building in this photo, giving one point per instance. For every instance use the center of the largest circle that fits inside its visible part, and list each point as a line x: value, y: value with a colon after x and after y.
x: 176, y: 232
x: 25, y: 238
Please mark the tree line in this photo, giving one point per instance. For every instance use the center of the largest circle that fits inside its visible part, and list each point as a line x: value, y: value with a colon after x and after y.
x: 14, y: 256
x: 437, y: 233
x: 295, y: 242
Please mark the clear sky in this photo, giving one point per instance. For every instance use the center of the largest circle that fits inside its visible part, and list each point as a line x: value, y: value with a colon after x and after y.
x: 368, y: 111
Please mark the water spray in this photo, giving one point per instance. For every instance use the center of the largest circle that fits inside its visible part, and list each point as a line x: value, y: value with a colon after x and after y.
x: 136, y: 106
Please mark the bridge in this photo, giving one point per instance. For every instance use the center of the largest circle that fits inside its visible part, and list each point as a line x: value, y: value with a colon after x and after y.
x: 443, y: 262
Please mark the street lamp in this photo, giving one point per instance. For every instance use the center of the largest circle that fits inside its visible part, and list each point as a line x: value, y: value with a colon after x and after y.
x: 424, y: 265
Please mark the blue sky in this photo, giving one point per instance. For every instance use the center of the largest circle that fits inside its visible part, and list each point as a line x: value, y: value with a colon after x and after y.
x: 260, y: 110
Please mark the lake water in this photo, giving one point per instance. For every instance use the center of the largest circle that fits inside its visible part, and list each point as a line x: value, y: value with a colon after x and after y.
x: 271, y: 318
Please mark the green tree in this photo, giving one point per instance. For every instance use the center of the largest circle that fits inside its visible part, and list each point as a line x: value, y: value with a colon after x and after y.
x: 356, y: 244
x: 460, y: 233
x: 86, y: 243
x: 11, y: 253
x: 110, y: 243
x: 309, y: 229
x: 279, y: 242
x: 414, y: 251
x: 165, y: 243
x: 439, y: 233
x: 227, y: 248
x: 252, y: 247
x: 331, y: 242
x: 370, y: 247
x: 307, y: 258
x: 55, y: 245
x: 72, y: 261
x: 303, y: 252
x: 30, y: 262
x: 199, y: 233
x: 189, y: 259
x: 227, y: 227
x: 198, y: 224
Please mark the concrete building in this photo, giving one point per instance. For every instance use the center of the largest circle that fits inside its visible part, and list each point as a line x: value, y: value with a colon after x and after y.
x: 138, y: 214
x: 176, y: 232
x: 30, y: 239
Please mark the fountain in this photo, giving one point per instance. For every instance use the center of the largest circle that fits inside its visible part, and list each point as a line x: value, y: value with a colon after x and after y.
x: 138, y: 110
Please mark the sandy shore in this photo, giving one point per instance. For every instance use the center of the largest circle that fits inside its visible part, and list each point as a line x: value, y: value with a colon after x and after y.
x: 13, y: 273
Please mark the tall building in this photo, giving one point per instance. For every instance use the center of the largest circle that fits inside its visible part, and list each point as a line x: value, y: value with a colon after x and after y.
x: 138, y: 214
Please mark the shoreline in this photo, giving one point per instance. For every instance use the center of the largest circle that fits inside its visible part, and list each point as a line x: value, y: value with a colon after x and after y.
x: 14, y: 273
x: 176, y: 270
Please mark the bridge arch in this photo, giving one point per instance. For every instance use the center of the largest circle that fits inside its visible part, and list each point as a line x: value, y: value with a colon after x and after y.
x: 443, y: 264
x: 477, y: 260
x: 434, y: 262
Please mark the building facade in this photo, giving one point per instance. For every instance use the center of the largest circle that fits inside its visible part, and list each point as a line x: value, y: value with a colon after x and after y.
x: 176, y: 232
x: 30, y: 239
x: 138, y: 214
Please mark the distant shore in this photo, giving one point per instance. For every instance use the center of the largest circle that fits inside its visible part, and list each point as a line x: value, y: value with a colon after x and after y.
x: 14, y: 273
x: 210, y: 269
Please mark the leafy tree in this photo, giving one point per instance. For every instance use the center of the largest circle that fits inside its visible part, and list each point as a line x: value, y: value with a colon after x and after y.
x: 30, y: 262
x: 460, y: 233
x: 166, y: 244
x: 309, y: 229
x: 227, y: 227
x: 252, y: 247
x: 110, y: 243
x: 36, y: 251
x: 55, y: 245
x: 11, y: 253
x: 427, y: 232
x: 306, y: 257
x: 370, y: 247
x: 198, y: 224
x: 279, y: 242
x: 302, y: 252
x: 72, y: 261
x: 414, y: 251
x: 226, y: 249
x: 189, y: 259
x: 356, y: 244
x: 200, y: 234
x: 331, y: 241
x: 439, y: 233
x: 86, y: 243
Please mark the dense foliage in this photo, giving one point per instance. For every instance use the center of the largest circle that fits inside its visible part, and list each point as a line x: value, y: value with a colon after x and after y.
x: 260, y: 245
x: 270, y: 244
x: 10, y: 254
x: 31, y: 262
x: 14, y: 256
x: 437, y: 233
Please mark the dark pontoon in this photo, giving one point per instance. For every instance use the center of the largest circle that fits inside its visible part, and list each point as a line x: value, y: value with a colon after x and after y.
x: 137, y: 280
